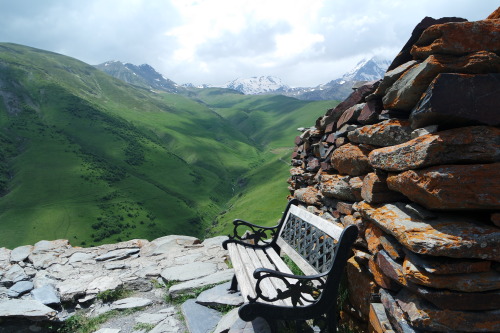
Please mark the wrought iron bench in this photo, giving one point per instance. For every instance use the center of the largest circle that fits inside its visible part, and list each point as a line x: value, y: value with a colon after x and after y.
x: 318, y: 247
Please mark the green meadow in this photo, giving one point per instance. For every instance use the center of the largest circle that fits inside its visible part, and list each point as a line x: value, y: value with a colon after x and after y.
x: 89, y: 158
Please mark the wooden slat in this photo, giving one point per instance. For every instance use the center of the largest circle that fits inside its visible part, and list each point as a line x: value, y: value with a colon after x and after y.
x: 244, y: 282
x: 266, y: 285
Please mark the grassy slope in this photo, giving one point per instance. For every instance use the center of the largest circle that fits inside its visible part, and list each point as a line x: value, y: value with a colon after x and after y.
x: 92, y: 159
x: 271, y: 123
x: 92, y: 150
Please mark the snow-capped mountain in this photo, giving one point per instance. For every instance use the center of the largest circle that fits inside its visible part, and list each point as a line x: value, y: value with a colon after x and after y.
x: 144, y: 75
x: 365, y: 70
x: 257, y: 85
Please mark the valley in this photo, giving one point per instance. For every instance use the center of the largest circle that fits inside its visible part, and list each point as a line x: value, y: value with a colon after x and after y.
x: 92, y: 159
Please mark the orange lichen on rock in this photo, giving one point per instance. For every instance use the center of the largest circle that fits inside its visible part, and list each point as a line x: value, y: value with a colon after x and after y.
x: 458, y: 38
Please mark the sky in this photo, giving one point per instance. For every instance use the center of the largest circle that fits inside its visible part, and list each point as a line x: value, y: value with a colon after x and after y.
x: 303, y: 42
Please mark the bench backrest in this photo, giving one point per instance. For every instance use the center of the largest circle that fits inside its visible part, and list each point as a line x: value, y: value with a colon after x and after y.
x: 309, y: 240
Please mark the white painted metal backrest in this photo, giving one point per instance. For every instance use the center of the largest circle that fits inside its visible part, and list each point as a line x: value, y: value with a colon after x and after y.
x: 323, y: 227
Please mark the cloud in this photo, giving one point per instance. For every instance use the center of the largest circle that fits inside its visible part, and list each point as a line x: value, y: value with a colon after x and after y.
x: 305, y: 42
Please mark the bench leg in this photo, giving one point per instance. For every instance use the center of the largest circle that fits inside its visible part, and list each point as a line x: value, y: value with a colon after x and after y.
x: 234, y: 285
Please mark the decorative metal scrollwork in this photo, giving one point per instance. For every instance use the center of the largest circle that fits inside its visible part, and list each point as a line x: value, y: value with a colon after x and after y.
x: 255, y: 234
x: 300, y: 289
x: 314, y: 245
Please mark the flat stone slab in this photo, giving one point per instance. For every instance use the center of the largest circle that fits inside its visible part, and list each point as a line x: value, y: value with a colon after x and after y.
x: 46, y: 294
x: 131, y: 302
x: 20, y: 253
x: 220, y: 276
x: 20, y: 288
x: 448, y: 236
x: 199, y: 318
x: 108, y: 330
x: 151, y: 318
x: 227, y: 321
x: 117, y: 254
x: 169, y: 325
x: 25, y: 308
x: 219, y: 295
x: 189, y: 271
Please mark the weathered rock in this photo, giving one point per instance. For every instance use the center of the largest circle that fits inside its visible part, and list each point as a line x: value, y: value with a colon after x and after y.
x: 391, y: 268
x: 381, y: 279
x: 458, y: 38
x: 200, y: 319
x: 189, y: 271
x: 74, y: 287
x: 495, y: 15
x: 449, y: 235
x: 227, y: 321
x: 20, y: 288
x: 80, y: 256
x: 424, y: 131
x: 337, y: 186
x: 20, y: 253
x: 46, y: 295
x: 474, y: 144
x: 372, y: 236
x: 395, y: 314
x: 392, y: 247
x: 459, y: 100
x: 444, y: 265
x: 308, y: 195
x: 130, y: 303
x: 188, y: 286
x: 375, y: 190
x: 471, y: 282
x: 386, y: 133
x: 103, y: 283
x: 436, y: 187
x: 392, y: 76
x: 369, y: 113
x: 14, y: 274
x: 404, y: 55
x: 342, y: 133
x: 351, y: 160
x: 406, y: 91
x: 117, y: 254
x: 219, y: 295
x: 453, y: 300
x: 29, y: 309
x: 350, y: 115
x: 344, y: 207
x: 378, y: 320
x: 424, y: 315
x: 495, y: 218
x: 356, y: 97
x: 360, y: 286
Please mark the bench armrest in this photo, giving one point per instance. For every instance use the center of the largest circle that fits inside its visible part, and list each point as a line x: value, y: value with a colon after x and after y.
x: 259, y: 236
x: 298, y: 288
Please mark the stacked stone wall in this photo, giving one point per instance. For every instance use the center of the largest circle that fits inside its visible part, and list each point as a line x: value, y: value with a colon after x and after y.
x: 414, y: 161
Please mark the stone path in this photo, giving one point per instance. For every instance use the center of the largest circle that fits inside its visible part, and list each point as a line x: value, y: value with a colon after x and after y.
x: 52, y: 281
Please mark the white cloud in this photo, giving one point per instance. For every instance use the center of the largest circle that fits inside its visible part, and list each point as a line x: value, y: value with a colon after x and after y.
x: 305, y: 42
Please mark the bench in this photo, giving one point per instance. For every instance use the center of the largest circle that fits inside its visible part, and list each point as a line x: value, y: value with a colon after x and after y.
x: 271, y: 291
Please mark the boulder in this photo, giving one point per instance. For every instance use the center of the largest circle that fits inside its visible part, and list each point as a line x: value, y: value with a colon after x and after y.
x: 407, y: 90
x: 425, y: 316
x: 459, y: 100
x: 436, y: 187
x: 386, y: 133
x: 375, y: 190
x: 449, y: 235
x: 351, y: 160
x: 474, y: 144
x: 469, y: 282
x: 458, y: 38
x: 404, y: 55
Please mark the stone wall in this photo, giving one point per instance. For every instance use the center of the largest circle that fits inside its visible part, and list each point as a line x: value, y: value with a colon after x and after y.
x: 414, y: 161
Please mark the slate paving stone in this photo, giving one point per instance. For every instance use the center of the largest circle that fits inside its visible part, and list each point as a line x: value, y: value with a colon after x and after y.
x: 220, y: 276
x: 131, y: 302
x: 46, y: 295
x: 219, y: 295
x: 189, y: 271
x: 199, y: 318
x: 20, y: 288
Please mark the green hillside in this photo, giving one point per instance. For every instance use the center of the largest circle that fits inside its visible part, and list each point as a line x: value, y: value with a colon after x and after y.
x: 87, y: 157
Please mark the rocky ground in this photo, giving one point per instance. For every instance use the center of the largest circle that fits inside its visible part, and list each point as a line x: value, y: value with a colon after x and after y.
x: 171, y: 284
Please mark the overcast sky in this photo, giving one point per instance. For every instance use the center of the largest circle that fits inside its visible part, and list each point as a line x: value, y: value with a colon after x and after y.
x: 303, y: 42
